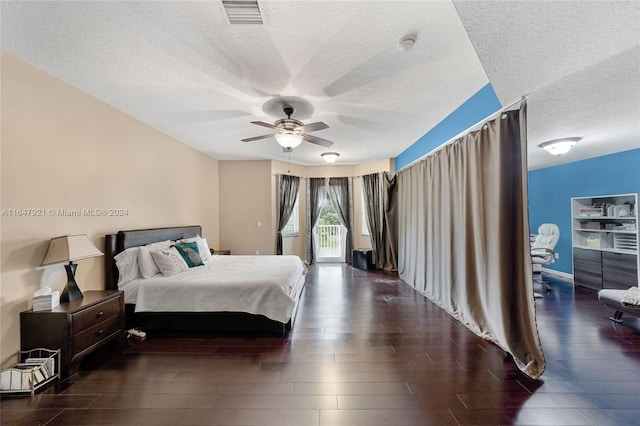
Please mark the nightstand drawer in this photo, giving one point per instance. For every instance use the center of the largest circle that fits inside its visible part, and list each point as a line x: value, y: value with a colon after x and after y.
x: 96, y: 334
x: 93, y: 315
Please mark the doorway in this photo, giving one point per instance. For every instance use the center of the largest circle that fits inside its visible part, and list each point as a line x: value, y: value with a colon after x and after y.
x: 329, y: 235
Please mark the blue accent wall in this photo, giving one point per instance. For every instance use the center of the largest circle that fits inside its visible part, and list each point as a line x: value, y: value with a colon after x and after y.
x: 482, y: 104
x: 551, y: 190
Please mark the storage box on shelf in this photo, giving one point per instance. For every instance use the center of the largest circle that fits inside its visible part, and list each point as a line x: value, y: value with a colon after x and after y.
x: 28, y: 371
x: 605, y: 241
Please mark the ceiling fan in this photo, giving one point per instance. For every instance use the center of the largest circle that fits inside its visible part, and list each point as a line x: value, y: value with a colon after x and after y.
x: 290, y: 132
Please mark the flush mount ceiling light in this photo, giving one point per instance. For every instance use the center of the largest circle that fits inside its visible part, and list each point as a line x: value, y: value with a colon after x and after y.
x: 407, y: 42
x: 330, y: 157
x: 559, y: 146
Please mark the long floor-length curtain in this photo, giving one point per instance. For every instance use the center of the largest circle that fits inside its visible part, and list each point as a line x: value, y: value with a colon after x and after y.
x: 287, y: 195
x: 390, y: 228
x: 340, y: 194
x: 464, y: 235
x: 316, y: 188
x: 373, y: 205
x: 412, y: 225
x: 380, y: 198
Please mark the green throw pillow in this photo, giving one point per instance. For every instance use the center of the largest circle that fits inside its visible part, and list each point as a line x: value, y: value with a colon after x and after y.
x: 190, y: 253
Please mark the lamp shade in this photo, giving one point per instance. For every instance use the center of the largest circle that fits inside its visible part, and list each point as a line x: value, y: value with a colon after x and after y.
x: 288, y: 139
x: 559, y: 146
x: 68, y: 248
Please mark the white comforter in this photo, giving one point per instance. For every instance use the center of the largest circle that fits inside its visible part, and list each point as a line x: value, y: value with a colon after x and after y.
x: 263, y: 285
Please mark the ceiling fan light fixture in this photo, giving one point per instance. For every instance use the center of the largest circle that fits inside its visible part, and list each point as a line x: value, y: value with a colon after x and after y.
x: 288, y: 139
x: 330, y: 157
x: 559, y: 146
x: 289, y: 132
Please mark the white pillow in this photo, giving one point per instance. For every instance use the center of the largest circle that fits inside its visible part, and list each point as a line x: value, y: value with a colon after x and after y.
x: 207, y: 250
x: 203, y: 247
x: 127, y: 263
x: 169, y: 261
x: 147, y: 265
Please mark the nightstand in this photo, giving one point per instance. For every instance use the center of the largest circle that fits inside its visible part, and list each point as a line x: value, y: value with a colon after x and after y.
x: 76, y: 328
x: 220, y: 252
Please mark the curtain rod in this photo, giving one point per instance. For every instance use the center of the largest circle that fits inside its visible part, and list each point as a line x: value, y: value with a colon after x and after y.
x: 327, y: 177
x: 509, y: 107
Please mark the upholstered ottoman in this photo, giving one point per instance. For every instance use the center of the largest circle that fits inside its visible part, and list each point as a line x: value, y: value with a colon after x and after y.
x: 613, y: 298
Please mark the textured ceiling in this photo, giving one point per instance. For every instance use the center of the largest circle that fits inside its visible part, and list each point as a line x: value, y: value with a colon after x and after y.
x: 182, y: 68
x: 578, y: 64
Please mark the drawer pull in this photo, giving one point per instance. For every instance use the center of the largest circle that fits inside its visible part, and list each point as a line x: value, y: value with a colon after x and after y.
x: 99, y: 333
x: 99, y: 314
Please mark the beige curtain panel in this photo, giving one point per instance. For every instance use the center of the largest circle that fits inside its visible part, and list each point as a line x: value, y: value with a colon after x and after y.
x: 464, y: 235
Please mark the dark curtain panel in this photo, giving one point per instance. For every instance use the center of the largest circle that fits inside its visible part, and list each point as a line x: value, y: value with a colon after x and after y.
x: 340, y: 195
x: 287, y: 196
x: 381, y: 195
x: 464, y: 235
x: 390, y: 228
x: 315, y: 198
x: 372, y: 194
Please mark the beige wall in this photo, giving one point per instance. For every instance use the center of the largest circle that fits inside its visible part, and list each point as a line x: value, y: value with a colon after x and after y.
x: 62, y: 149
x: 246, y: 200
x: 246, y: 212
x: 374, y: 167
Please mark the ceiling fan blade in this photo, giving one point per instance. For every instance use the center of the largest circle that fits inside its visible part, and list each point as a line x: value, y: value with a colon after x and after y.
x: 257, y: 138
x: 263, y: 124
x: 317, y: 140
x: 312, y: 127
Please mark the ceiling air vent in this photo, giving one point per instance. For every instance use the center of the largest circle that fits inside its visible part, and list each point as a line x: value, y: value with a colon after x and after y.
x: 242, y: 11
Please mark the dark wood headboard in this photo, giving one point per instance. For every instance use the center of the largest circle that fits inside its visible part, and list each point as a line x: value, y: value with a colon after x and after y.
x: 117, y: 243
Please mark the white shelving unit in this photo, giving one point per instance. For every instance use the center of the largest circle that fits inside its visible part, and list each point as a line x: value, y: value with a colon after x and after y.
x: 605, y: 241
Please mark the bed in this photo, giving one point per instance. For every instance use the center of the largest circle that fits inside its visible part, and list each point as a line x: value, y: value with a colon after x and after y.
x: 225, y: 294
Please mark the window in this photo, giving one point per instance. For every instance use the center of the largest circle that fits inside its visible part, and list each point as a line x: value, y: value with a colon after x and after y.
x: 293, y: 226
x: 364, y: 228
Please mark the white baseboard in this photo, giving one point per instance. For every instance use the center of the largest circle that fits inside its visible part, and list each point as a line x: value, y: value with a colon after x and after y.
x: 560, y: 274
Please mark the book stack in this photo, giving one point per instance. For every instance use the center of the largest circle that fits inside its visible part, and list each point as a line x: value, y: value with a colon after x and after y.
x: 47, y: 365
x: 15, y: 378
x: 46, y: 302
x: 27, y: 371
x: 27, y: 374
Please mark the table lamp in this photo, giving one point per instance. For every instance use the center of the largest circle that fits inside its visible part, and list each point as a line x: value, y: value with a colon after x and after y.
x: 69, y: 248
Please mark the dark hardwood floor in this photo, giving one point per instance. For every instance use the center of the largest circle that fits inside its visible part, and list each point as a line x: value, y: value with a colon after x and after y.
x: 365, y: 350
